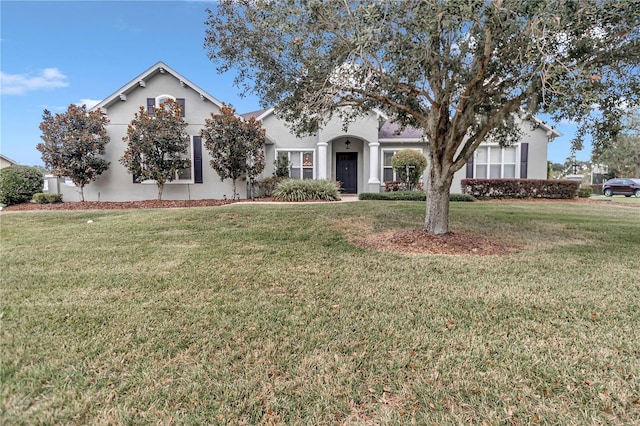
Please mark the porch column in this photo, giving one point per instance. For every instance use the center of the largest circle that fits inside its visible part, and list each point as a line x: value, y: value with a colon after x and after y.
x: 374, y: 163
x: 374, y: 167
x: 322, y: 160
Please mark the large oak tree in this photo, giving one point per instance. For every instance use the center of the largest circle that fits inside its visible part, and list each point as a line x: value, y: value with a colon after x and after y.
x: 460, y: 70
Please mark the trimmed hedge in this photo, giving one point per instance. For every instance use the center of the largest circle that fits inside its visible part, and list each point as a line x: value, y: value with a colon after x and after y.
x: 46, y: 198
x: 19, y: 183
x: 398, y: 185
x: 585, y: 192
x: 408, y: 196
x: 305, y: 190
x: 520, y: 188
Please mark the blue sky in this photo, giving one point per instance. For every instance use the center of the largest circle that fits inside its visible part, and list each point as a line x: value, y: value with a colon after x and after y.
x: 55, y: 53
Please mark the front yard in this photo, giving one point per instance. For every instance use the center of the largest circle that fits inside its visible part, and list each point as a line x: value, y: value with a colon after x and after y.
x: 272, y: 314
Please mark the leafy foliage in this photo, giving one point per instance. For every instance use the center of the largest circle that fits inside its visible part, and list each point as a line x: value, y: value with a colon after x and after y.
x: 409, y: 196
x: 19, y: 183
x: 46, y: 198
x: 520, y: 188
x: 281, y: 166
x: 73, y: 143
x: 305, y: 190
x: 622, y: 155
x: 236, y: 146
x: 157, y: 144
x: 409, y: 165
x: 460, y: 70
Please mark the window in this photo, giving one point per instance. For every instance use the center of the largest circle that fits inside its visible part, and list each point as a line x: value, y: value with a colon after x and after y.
x: 494, y: 162
x: 300, y: 163
x: 159, y: 100
x: 387, y: 170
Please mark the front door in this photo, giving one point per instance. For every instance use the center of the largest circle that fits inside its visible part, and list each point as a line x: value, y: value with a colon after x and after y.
x: 347, y: 171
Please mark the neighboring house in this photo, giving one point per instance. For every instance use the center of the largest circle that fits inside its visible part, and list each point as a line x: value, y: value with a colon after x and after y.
x: 6, y: 162
x: 360, y: 158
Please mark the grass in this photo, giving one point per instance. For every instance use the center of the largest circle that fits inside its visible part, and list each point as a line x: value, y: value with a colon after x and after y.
x: 617, y: 199
x: 267, y: 314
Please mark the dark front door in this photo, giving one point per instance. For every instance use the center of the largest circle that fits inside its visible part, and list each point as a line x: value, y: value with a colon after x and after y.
x: 347, y: 171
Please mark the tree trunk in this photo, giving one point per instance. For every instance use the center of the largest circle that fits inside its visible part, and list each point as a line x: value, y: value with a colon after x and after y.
x: 160, y: 189
x: 81, y: 191
x: 436, y: 220
x: 234, y: 188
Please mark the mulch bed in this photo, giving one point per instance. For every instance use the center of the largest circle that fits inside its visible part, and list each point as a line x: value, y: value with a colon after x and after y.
x: 112, y: 205
x: 416, y: 241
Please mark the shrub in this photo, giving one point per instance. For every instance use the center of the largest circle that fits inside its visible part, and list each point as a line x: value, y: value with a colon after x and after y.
x: 520, y: 188
x: 19, y: 183
x: 398, y: 185
x: 304, y: 190
x: 585, y: 192
x: 462, y: 197
x: 409, y: 196
x: 596, y: 189
x: 266, y: 186
x: 281, y: 166
x: 409, y: 165
x: 46, y: 198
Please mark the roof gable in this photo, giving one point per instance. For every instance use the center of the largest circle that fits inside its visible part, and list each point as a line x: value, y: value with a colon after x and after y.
x: 140, y: 81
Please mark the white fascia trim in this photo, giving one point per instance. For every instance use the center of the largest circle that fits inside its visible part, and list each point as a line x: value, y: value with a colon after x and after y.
x: 265, y: 114
x: 158, y: 67
x: 400, y: 140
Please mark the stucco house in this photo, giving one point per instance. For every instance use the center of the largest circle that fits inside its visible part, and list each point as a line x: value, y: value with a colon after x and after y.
x: 6, y: 162
x: 359, y: 158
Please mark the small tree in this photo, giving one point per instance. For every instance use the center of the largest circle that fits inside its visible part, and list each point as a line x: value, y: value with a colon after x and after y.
x: 157, y: 144
x: 409, y: 165
x: 236, y: 146
x: 19, y: 183
x: 73, y: 142
x: 281, y: 166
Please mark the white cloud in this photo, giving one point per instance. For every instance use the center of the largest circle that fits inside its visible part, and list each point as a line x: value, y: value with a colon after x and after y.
x: 19, y: 84
x: 90, y: 103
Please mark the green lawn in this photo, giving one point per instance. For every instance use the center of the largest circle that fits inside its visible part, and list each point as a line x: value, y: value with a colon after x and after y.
x: 267, y: 314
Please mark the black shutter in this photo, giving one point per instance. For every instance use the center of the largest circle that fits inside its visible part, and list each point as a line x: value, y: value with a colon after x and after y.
x: 470, y: 167
x: 151, y: 102
x: 181, y: 103
x: 197, y: 159
x: 524, y: 159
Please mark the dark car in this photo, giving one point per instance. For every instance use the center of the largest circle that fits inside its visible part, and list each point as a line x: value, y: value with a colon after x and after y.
x: 621, y: 186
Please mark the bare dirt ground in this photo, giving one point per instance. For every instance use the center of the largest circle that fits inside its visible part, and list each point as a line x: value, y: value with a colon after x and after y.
x: 408, y: 241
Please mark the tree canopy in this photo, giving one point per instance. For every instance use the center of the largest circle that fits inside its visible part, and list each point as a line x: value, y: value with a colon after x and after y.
x: 460, y: 70
x: 73, y: 144
x: 622, y: 154
x: 157, y: 144
x: 236, y: 146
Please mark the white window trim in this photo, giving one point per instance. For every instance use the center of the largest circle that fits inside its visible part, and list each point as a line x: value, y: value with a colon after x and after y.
x: 161, y: 98
x: 288, y: 151
x: 488, y: 164
x: 382, y: 166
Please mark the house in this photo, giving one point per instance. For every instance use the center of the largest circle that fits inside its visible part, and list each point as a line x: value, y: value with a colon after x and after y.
x: 6, y: 162
x: 359, y: 158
